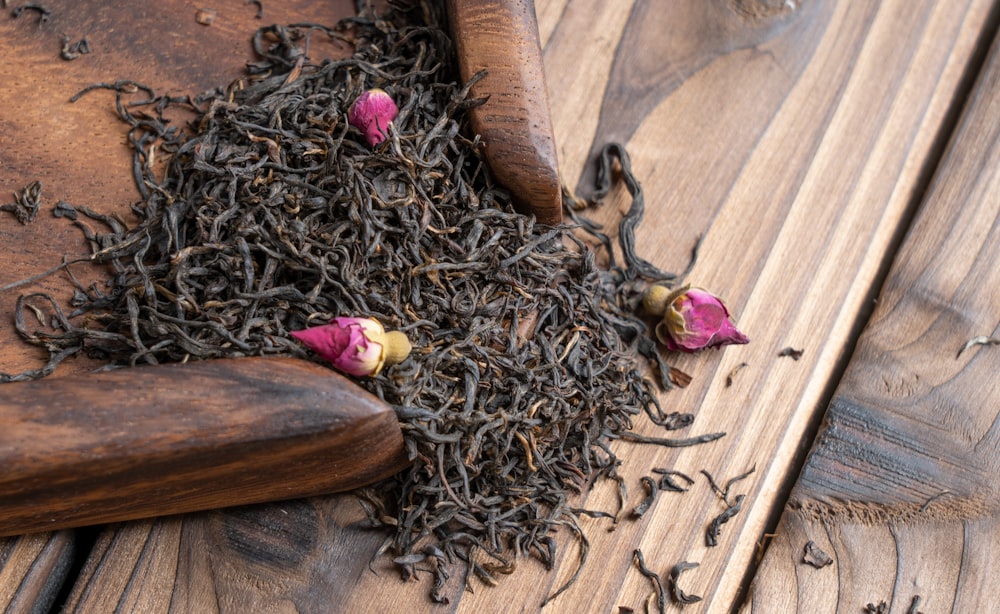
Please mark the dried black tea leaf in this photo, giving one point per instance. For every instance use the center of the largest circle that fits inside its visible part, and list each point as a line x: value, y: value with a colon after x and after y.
x: 675, y: 573
x: 26, y: 203
x: 733, y: 372
x: 815, y: 556
x: 649, y: 484
x: 654, y: 577
x: 791, y: 353
x: 667, y: 481
x: 714, y: 527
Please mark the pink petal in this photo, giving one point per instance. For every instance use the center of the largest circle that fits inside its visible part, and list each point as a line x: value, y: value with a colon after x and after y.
x: 371, y: 113
x: 349, y: 344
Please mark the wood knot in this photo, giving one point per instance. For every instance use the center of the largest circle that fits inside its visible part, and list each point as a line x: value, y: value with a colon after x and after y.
x: 757, y: 10
x: 277, y: 535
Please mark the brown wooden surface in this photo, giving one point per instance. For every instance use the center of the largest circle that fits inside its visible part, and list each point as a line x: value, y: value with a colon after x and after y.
x: 902, y: 487
x: 33, y: 570
x: 185, y: 438
x: 795, y: 137
x: 501, y: 36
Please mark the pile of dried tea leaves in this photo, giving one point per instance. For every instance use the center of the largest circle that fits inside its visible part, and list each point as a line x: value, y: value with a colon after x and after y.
x: 274, y: 214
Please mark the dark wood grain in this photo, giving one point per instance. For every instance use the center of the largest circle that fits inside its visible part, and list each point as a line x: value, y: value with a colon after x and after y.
x: 501, y: 36
x: 34, y: 569
x: 902, y: 486
x: 151, y: 441
x: 305, y: 556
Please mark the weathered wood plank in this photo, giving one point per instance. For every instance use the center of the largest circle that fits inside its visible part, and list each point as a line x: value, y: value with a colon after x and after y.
x: 780, y: 151
x: 902, y: 487
x: 283, y: 557
x: 34, y: 569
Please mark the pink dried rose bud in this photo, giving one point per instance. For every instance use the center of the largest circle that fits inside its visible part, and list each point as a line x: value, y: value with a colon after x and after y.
x: 357, y: 346
x: 371, y: 114
x: 693, y: 319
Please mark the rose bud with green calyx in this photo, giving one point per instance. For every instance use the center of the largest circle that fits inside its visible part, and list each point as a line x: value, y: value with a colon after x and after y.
x: 693, y: 319
x: 356, y: 346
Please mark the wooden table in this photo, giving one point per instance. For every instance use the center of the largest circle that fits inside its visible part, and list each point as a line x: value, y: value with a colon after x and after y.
x: 841, y: 163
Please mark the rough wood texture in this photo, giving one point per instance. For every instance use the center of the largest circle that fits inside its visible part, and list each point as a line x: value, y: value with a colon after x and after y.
x: 297, y: 556
x: 795, y: 150
x: 184, y: 438
x: 501, y: 36
x: 33, y: 569
x: 902, y: 487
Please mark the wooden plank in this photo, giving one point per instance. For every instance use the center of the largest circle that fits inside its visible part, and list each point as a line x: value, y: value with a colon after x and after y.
x: 902, y: 487
x: 186, y: 437
x: 795, y: 149
x: 502, y: 38
x: 296, y: 556
x: 33, y: 570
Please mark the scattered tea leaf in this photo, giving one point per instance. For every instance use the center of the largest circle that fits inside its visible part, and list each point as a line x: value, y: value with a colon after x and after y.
x: 980, y: 340
x: 26, y: 203
x: 714, y: 527
x: 675, y: 573
x: 260, y: 8
x: 815, y: 556
x: 733, y: 372
x: 791, y: 353
x: 654, y: 577
x: 667, y: 480
x: 649, y: 485
x: 44, y: 14
x: 205, y: 17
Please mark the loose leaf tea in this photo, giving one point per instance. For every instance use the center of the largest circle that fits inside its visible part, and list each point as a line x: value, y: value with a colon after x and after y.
x: 881, y: 608
x: 732, y: 507
x: 791, y: 352
x: 273, y: 214
x: 26, y: 203
x: 654, y: 577
x: 674, y: 580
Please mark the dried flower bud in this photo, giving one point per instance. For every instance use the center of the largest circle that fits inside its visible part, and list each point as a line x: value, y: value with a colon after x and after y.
x: 357, y: 346
x: 656, y: 299
x: 694, y: 319
x: 371, y: 113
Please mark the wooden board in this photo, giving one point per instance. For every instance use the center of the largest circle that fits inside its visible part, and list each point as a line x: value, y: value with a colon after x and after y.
x: 794, y: 137
x: 34, y: 569
x: 902, y: 487
x: 186, y: 437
